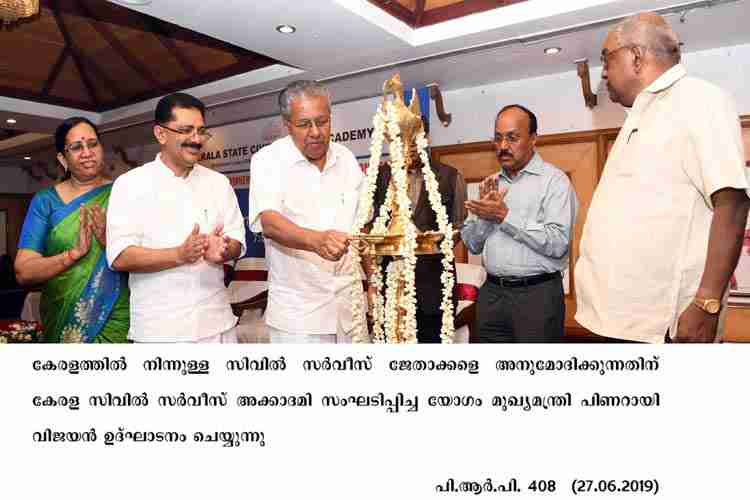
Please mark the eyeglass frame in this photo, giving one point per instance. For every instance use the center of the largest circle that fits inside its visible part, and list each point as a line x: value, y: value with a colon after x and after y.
x: 606, y: 54
x: 307, y: 124
x: 511, y: 138
x: 205, y: 135
x: 83, y: 144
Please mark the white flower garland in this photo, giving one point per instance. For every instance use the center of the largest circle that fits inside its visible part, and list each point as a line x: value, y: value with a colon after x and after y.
x: 378, y: 313
x: 380, y: 224
x: 391, y: 307
x: 359, y: 328
x: 364, y: 213
x: 408, y: 302
x: 387, y: 320
x: 376, y: 148
x: 447, y: 330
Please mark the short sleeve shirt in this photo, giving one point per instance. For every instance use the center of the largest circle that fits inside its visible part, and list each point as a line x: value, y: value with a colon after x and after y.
x: 645, y: 240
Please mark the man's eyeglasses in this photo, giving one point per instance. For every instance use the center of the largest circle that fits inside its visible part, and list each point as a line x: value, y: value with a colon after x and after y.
x: 202, y: 132
x: 510, y: 138
x: 78, y: 146
x: 606, y: 54
x: 307, y: 124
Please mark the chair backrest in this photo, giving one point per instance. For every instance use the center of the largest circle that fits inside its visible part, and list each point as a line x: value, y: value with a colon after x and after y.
x: 30, y: 311
x: 470, y: 278
x: 11, y: 303
x: 7, y: 275
x: 249, y: 279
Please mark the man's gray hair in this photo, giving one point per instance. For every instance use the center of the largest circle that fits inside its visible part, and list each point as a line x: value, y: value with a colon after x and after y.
x: 298, y: 89
x: 652, y: 32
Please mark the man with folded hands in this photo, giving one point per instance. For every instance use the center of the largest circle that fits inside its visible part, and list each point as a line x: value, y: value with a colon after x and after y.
x: 522, y: 227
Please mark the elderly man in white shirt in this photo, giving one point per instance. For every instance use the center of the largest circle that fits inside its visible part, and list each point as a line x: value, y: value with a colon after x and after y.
x: 171, y: 224
x: 304, y: 192
x: 665, y: 225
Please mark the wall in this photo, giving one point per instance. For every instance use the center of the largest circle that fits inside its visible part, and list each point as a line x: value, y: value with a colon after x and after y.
x: 14, y: 180
x: 16, y: 205
x: 558, y: 102
x: 14, y: 186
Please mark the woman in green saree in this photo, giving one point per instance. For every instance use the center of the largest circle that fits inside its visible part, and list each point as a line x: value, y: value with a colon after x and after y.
x: 62, y: 245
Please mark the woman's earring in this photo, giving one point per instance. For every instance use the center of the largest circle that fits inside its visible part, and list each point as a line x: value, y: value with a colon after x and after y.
x: 64, y: 167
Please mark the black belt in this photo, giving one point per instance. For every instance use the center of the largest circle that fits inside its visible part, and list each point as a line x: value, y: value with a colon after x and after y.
x: 516, y: 281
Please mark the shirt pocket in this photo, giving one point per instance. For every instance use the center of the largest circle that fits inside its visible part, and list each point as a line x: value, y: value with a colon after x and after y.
x: 168, y: 223
x: 207, y: 216
x: 346, y: 212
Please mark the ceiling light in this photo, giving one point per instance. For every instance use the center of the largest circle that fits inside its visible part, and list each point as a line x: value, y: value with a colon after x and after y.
x: 27, y: 157
x: 134, y: 2
x: 287, y: 29
x: 551, y: 51
x: 11, y: 121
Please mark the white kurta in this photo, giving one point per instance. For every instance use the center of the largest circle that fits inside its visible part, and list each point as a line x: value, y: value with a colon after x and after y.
x: 645, y: 239
x: 153, y: 208
x: 306, y: 293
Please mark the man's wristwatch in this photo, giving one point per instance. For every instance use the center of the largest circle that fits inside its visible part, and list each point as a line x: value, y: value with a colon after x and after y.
x: 711, y: 306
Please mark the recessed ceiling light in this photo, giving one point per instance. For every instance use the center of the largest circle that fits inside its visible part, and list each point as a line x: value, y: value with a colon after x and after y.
x: 27, y: 157
x: 134, y: 2
x: 12, y: 121
x: 287, y: 29
x: 551, y: 51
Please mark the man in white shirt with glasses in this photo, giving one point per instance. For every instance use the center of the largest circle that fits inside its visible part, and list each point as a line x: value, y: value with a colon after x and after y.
x: 664, y: 228
x: 171, y: 224
x: 304, y: 192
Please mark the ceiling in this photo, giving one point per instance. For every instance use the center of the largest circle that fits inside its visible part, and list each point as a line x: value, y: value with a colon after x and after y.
x: 419, y: 13
x: 7, y: 133
x: 96, y: 56
x: 354, y: 46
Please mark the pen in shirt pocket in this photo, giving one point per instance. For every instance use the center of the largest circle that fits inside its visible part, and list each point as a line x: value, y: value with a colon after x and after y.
x: 631, y: 134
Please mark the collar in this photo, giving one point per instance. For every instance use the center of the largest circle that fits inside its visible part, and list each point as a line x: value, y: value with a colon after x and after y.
x: 295, y: 156
x: 165, y: 171
x: 419, y: 166
x: 667, y: 79
x: 534, y: 167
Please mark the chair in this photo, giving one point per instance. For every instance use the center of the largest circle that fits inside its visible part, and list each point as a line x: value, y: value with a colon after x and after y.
x: 470, y: 279
x: 30, y: 311
x: 248, y: 288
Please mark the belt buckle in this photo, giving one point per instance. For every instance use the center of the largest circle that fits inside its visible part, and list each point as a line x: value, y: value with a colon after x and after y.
x: 511, y: 282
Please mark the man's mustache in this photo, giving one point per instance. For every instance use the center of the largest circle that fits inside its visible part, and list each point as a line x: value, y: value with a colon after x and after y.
x: 194, y: 145
x: 504, y: 154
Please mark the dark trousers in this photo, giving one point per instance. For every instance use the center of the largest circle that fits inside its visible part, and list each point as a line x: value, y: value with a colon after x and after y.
x: 428, y: 327
x: 524, y: 314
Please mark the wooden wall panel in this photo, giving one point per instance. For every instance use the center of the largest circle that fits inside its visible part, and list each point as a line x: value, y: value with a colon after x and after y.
x: 475, y: 161
x: 16, y: 205
x: 579, y: 162
x: 737, y: 328
x: 738, y: 316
